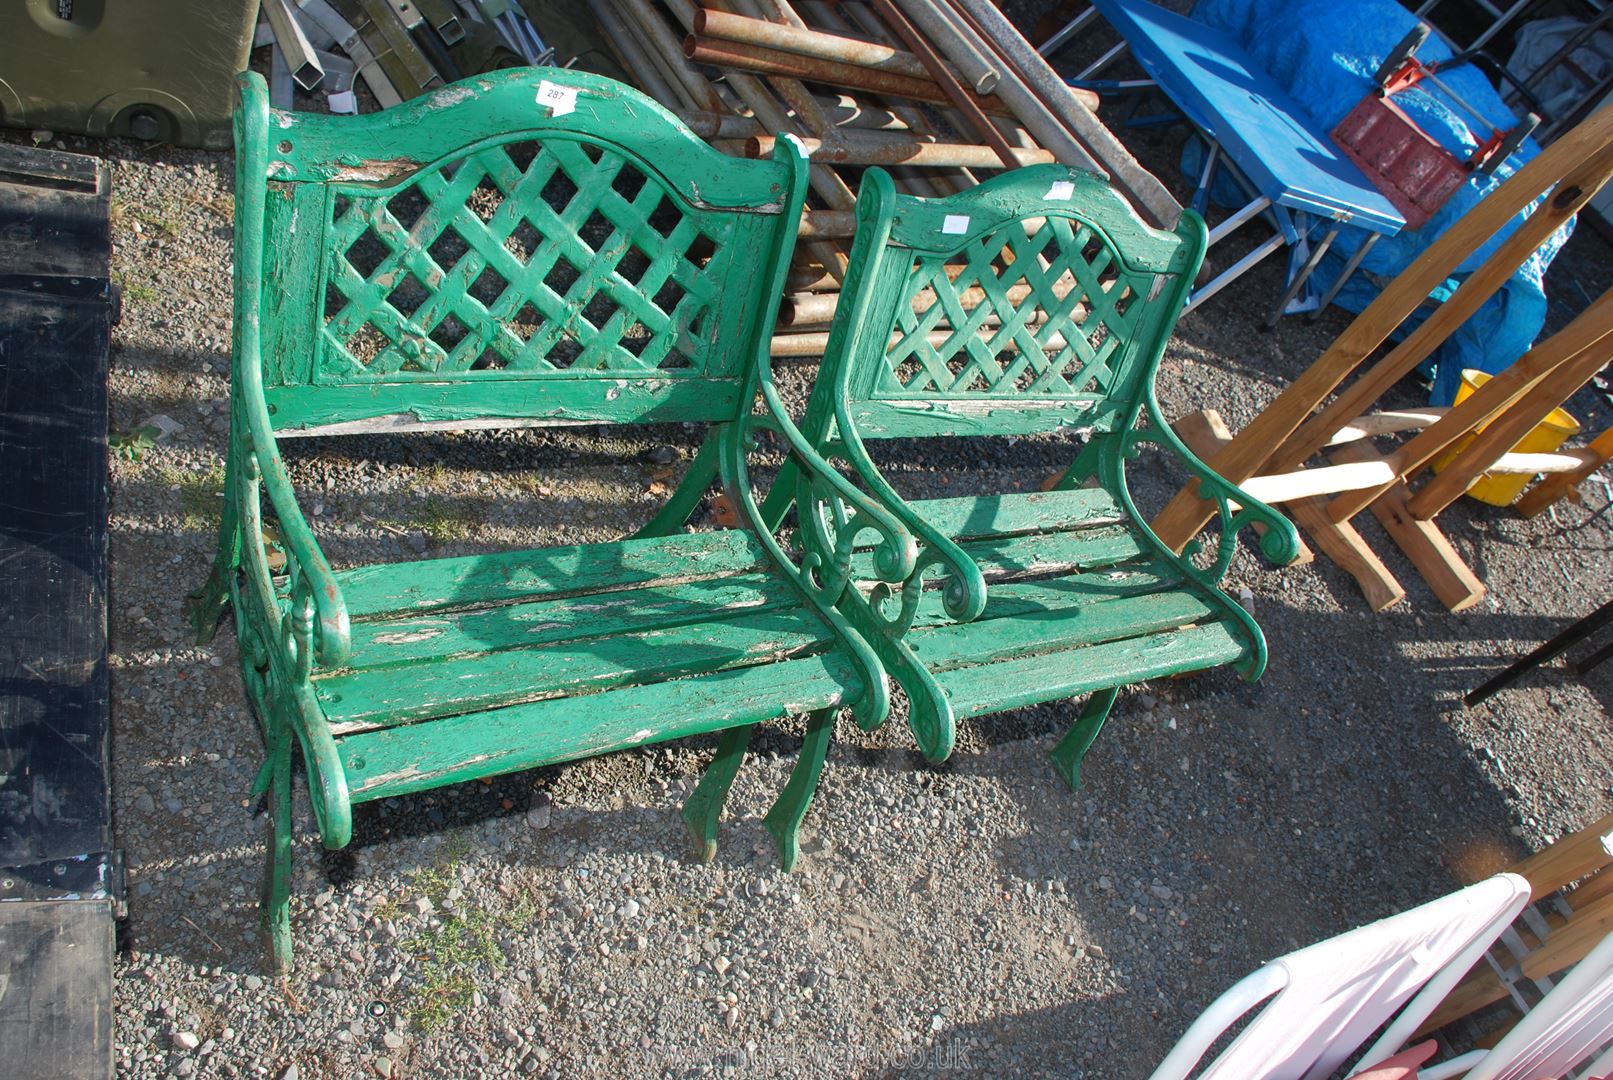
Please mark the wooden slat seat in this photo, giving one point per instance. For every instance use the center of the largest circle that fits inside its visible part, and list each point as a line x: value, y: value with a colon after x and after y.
x: 1030, y: 677
x: 533, y: 657
x: 477, y: 658
x: 386, y: 761
x: 1074, y: 609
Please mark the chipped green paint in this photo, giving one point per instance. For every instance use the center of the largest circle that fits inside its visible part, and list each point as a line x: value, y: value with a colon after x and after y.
x: 469, y: 256
x: 1041, y: 596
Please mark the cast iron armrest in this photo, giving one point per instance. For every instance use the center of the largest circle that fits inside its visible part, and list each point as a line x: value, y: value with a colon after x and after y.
x: 832, y: 512
x: 1280, y: 543
x: 317, y: 625
x: 964, y: 595
x: 822, y: 566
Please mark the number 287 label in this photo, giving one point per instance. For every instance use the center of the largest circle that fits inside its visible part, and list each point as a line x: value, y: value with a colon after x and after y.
x: 560, y: 99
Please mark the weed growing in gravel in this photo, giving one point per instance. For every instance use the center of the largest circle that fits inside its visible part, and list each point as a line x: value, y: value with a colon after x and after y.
x: 132, y: 445
x: 441, y: 523
x: 138, y: 291
x: 451, y: 956
x: 200, y: 495
x: 432, y: 882
x: 222, y: 204
x: 454, y: 954
x: 166, y: 227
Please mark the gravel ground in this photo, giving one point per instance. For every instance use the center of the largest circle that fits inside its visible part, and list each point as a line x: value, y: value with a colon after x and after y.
x: 970, y: 917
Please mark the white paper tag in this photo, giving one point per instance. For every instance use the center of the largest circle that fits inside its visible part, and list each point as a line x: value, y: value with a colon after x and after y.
x: 1061, y: 189
x: 955, y: 223
x: 560, y: 99
x: 795, y: 140
x: 344, y: 101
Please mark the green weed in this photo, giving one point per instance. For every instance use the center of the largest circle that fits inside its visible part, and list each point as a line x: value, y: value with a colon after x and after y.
x: 199, y: 495
x: 441, y: 523
x: 138, y: 291
x: 453, y: 955
x: 132, y: 445
x: 166, y: 227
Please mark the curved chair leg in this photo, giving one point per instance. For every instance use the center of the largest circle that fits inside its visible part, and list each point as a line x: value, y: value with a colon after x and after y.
x: 687, y: 495
x: 784, y: 819
x: 1083, y: 468
x: 703, y: 809
x: 275, y: 906
x: 1073, y: 747
x: 205, y: 607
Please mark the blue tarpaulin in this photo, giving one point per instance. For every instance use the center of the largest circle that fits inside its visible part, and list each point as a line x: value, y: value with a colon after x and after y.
x: 1324, y: 53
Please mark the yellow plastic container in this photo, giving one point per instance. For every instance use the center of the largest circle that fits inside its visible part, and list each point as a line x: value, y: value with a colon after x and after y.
x: 1500, y: 489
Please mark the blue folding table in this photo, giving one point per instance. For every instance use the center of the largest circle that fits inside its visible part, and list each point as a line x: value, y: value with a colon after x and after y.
x: 1294, y: 174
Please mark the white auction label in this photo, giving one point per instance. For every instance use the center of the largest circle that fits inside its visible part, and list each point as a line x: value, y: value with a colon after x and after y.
x: 560, y: 99
x: 1061, y: 189
x: 955, y: 223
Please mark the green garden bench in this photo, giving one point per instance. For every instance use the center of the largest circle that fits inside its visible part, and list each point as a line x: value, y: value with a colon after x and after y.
x: 1048, y: 594
x: 535, y: 246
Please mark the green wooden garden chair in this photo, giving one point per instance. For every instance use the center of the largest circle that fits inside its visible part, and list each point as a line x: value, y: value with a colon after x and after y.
x: 533, y: 246
x: 1034, y: 303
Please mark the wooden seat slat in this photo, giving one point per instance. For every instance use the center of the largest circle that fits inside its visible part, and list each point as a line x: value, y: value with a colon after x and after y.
x: 1038, y: 677
x: 1054, y: 627
x: 390, y: 762
x: 466, y: 632
x: 581, y: 569
x: 1020, y: 512
x: 452, y: 686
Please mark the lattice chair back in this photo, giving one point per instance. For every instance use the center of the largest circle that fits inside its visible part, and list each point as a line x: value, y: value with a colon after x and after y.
x: 1036, y: 301
x: 529, y: 245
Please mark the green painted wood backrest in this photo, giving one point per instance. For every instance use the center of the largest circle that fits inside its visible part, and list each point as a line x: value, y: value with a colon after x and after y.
x: 530, y: 244
x: 950, y: 304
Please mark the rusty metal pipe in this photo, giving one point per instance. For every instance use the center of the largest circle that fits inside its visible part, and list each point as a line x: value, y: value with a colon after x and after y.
x: 828, y: 224
x: 795, y: 94
x: 805, y: 107
x: 1047, y: 128
x: 916, y: 181
x: 779, y: 11
x: 712, y: 125
x: 945, y: 33
x: 1029, y: 110
x: 658, y: 37
x: 846, y: 111
x: 855, y: 18
x: 683, y: 11
x: 829, y: 186
x: 867, y: 148
x: 647, y: 68
x: 732, y: 54
x: 813, y: 43
x: 809, y: 278
x: 1045, y: 97
x: 954, y: 90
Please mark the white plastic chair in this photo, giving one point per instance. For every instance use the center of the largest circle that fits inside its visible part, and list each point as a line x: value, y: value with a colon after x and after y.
x: 1568, y: 1025
x: 1325, y: 1000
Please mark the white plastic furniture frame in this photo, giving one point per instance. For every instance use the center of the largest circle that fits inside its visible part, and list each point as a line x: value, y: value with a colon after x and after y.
x: 1569, y: 1024
x: 1322, y: 1002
